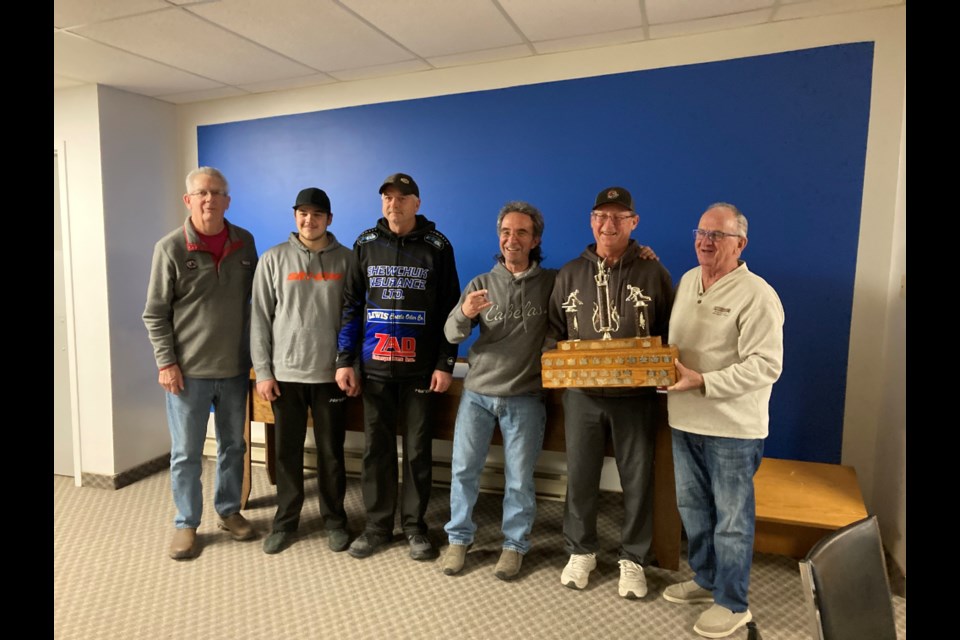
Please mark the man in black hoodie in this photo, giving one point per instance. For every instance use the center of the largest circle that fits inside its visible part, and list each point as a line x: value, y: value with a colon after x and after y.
x: 604, y: 277
x: 394, y: 308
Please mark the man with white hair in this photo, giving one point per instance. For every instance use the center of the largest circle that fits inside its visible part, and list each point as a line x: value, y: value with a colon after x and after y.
x: 198, y: 318
x: 728, y: 325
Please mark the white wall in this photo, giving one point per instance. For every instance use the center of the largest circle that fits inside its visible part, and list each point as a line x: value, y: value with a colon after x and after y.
x: 890, y: 455
x: 121, y: 159
x: 76, y: 136
x: 142, y: 189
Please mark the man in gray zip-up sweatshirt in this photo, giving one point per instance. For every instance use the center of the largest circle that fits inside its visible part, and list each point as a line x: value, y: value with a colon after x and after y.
x: 198, y: 318
x: 297, y: 302
x: 502, y: 386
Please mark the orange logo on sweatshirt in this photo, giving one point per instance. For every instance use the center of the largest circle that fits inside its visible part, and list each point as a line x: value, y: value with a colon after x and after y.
x: 306, y: 275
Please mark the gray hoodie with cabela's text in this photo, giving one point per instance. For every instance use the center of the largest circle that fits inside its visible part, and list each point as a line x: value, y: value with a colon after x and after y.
x: 505, y: 359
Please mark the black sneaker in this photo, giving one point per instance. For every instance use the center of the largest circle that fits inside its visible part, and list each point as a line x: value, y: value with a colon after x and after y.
x: 366, y: 543
x: 277, y: 541
x: 338, y: 539
x: 420, y: 547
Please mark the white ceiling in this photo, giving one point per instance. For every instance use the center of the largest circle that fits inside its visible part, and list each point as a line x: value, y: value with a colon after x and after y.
x: 185, y: 51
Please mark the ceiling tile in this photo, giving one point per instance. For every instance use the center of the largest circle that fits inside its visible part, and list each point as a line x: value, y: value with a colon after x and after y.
x: 588, y: 42
x: 181, y: 39
x: 72, y: 13
x: 82, y: 59
x: 792, y: 9
x: 719, y: 23
x: 321, y: 35
x: 439, y: 27
x: 200, y: 96
x: 555, y: 19
x: 378, y: 71
x: 288, y: 83
x: 665, y: 11
x: 477, y: 57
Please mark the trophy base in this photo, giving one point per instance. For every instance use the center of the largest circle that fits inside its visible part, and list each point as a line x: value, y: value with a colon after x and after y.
x: 620, y: 362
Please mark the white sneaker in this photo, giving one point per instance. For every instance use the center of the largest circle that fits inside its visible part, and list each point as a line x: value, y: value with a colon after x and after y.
x: 577, y: 572
x: 633, y: 584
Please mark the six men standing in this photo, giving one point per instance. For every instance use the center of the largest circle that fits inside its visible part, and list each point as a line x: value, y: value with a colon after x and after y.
x: 329, y: 323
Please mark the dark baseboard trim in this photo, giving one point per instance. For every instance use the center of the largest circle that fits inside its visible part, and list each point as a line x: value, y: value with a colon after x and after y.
x: 128, y: 477
x: 898, y: 580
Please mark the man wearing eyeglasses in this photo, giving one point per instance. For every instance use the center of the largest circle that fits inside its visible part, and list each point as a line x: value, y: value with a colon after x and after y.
x: 619, y: 263
x: 198, y: 318
x: 728, y: 325
x: 394, y: 307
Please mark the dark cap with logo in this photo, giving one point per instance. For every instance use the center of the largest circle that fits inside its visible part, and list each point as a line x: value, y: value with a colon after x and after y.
x: 403, y: 182
x: 617, y: 195
x: 315, y: 197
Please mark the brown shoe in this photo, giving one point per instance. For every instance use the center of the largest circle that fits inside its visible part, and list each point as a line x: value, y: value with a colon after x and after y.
x: 237, y: 526
x: 184, y: 544
x: 509, y: 565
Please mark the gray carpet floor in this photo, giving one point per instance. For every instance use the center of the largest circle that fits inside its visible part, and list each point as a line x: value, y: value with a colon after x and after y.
x: 112, y: 578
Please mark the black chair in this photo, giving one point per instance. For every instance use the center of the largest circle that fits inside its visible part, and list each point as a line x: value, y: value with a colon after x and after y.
x: 846, y: 587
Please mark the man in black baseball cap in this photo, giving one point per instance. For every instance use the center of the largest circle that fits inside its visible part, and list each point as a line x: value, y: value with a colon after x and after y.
x: 403, y: 183
x: 297, y: 300
x: 394, y: 309
x: 604, y: 275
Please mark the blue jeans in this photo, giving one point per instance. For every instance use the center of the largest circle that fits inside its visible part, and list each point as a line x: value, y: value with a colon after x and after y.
x: 187, y: 416
x: 522, y: 420
x: 716, y: 501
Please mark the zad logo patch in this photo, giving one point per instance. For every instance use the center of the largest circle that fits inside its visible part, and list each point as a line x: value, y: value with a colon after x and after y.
x: 389, y: 349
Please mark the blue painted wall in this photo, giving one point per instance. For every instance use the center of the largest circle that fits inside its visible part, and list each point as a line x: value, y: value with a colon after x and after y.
x: 782, y: 136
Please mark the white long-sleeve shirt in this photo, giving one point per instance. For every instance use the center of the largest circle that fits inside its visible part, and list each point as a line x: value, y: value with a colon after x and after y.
x: 733, y: 335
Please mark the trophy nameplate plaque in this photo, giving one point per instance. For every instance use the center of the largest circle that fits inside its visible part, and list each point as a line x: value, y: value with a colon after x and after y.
x: 617, y: 362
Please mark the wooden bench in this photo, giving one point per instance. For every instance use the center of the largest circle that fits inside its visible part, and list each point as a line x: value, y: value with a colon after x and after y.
x: 797, y: 502
x: 666, y: 518
x: 800, y: 502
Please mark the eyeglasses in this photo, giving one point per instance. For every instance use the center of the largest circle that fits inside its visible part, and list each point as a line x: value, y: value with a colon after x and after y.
x: 213, y: 193
x: 602, y: 218
x: 713, y: 236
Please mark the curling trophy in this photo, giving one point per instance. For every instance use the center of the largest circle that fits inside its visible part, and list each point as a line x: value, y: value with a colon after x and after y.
x: 641, y: 361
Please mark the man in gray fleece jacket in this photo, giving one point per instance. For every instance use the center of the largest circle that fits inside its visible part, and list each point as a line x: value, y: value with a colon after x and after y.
x: 198, y: 317
x: 502, y: 386
x: 297, y: 302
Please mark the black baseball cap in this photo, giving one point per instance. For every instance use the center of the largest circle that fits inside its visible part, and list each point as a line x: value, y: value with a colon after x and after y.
x: 403, y: 182
x: 314, y: 196
x: 618, y: 195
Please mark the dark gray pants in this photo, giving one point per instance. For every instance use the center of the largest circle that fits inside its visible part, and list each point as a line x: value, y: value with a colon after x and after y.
x: 327, y: 404
x: 631, y: 421
x: 385, y: 405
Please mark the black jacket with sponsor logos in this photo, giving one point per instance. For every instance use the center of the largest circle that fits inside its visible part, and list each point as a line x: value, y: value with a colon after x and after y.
x: 396, y: 301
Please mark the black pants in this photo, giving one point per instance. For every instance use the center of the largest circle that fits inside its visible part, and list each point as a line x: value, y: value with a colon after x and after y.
x: 386, y: 405
x: 632, y: 430
x: 327, y: 405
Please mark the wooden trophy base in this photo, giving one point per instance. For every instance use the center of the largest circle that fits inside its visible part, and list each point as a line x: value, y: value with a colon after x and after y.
x: 620, y: 362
